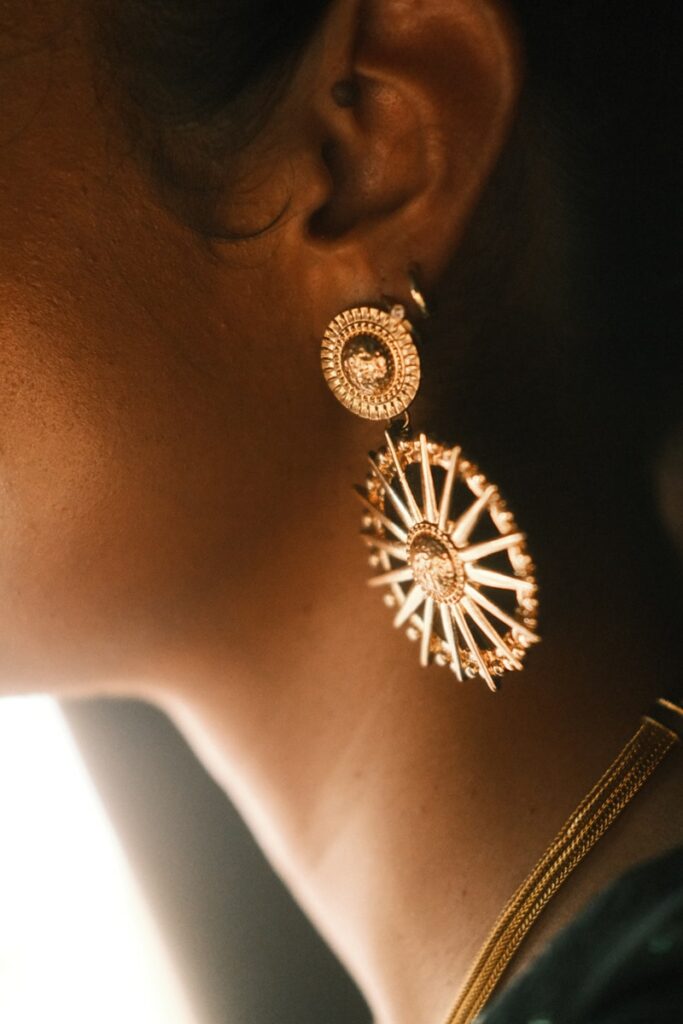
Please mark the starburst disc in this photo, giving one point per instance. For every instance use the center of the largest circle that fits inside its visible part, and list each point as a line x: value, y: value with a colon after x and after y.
x: 370, y: 361
x: 456, y: 568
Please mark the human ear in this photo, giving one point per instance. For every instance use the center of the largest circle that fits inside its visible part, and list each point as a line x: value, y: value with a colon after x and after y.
x: 405, y: 115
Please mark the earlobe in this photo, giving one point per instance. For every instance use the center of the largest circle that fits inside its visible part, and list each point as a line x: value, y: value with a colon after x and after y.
x: 411, y: 135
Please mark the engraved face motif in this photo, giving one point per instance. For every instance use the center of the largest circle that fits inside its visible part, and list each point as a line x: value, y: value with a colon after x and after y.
x: 367, y: 364
x: 370, y: 361
x: 435, y: 564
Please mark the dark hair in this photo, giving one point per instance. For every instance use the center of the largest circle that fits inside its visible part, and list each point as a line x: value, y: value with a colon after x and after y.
x: 196, y: 81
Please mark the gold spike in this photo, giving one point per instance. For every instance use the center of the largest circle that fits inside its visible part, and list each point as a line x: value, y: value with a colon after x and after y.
x: 490, y: 547
x: 489, y: 606
x: 476, y: 653
x: 447, y: 623
x: 489, y: 578
x: 392, y: 495
x: 399, y: 551
x: 468, y: 520
x: 412, y: 601
x: 428, y: 496
x: 427, y: 623
x: 447, y: 491
x: 388, y: 523
x: 489, y: 630
x: 401, y: 575
x: 400, y: 473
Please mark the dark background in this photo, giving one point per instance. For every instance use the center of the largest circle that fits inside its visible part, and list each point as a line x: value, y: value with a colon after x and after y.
x: 245, y: 951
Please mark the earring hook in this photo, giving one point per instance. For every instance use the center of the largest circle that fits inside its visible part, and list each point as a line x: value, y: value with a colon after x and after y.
x: 416, y: 293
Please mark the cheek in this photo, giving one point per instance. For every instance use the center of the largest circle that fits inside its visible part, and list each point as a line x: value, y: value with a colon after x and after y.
x: 113, y: 528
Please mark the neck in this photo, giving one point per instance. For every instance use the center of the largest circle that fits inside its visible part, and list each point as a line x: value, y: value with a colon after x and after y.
x: 402, y: 808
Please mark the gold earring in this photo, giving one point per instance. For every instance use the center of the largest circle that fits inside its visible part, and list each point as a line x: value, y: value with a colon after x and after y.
x: 455, y: 568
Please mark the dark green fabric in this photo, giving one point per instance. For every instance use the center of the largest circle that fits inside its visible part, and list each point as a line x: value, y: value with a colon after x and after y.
x: 619, y: 962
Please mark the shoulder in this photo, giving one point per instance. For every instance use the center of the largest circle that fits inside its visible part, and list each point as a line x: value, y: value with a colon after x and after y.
x: 619, y: 962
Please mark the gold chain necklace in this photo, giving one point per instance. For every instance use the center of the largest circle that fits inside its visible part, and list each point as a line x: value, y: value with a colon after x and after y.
x: 658, y: 733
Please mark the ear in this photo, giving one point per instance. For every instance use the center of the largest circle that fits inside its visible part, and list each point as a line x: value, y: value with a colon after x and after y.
x: 394, y: 125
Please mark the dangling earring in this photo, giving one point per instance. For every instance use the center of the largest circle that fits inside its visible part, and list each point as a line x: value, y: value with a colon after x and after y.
x: 453, y: 564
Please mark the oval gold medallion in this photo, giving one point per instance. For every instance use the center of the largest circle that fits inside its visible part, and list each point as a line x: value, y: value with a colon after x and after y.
x: 370, y: 361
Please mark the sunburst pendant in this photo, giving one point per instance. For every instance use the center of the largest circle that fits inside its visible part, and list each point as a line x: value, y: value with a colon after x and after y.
x: 439, y: 559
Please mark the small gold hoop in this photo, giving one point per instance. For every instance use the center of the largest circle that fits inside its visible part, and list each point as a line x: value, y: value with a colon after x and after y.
x: 416, y: 292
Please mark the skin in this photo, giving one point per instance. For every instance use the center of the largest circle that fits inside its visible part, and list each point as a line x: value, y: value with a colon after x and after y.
x: 176, y: 520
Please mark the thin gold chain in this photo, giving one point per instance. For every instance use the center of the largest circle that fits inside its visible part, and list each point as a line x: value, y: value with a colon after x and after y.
x: 591, y: 819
